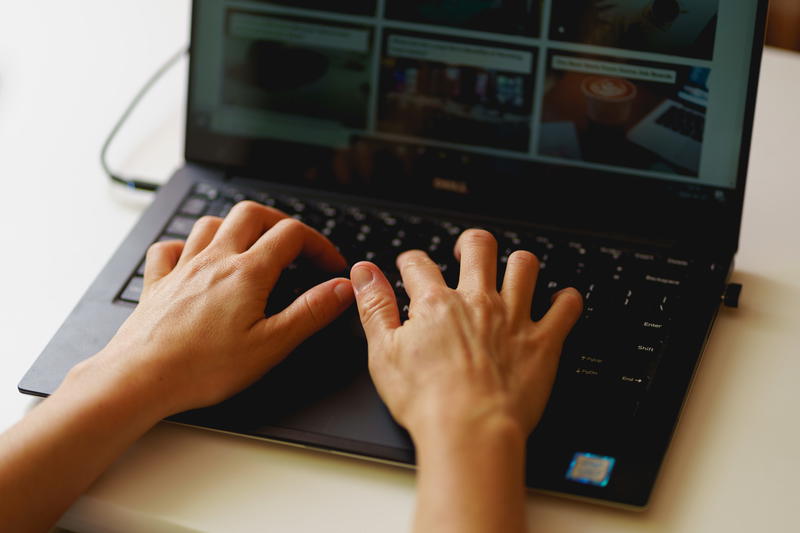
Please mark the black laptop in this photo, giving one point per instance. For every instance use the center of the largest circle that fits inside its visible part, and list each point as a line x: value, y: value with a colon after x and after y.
x: 397, y: 124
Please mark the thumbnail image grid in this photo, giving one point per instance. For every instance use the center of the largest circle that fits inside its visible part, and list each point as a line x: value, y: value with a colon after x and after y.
x: 308, y: 77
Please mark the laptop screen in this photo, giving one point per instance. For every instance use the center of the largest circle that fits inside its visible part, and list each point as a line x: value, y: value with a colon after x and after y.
x: 633, y: 100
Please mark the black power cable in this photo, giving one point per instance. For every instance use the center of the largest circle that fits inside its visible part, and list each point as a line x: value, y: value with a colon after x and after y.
x: 135, y: 183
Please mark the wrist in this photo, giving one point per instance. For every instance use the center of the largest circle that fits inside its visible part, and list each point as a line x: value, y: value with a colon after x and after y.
x: 470, y: 434
x: 456, y: 417
x: 103, y: 379
x: 471, y: 475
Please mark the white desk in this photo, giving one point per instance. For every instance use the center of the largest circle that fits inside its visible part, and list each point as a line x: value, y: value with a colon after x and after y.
x: 66, y: 72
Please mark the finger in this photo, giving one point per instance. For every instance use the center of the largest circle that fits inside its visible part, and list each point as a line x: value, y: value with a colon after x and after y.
x: 564, y: 312
x: 419, y: 273
x: 202, y: 234
x: 309, y: 313
x: 287, y: 240
x: 377, y: 305
x: 245, y: 224
x: 519, y: 282
x: 477, y: 251
x: 160, y: 260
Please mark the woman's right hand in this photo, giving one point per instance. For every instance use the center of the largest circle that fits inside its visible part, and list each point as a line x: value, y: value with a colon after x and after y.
x: 466, y: 357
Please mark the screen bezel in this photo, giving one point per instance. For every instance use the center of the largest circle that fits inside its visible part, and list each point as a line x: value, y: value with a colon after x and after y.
x: 669, y: 213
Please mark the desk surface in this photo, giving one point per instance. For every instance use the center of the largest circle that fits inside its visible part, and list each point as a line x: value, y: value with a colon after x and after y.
x: 66, y: 74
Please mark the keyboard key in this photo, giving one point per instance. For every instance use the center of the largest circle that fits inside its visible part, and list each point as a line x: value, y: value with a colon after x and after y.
x: 453, y: 230
x: 647, y: 347
x: 220, y: 208
x: 194, y: 207
x: 657, y: 326
x: 356, y: 214
x: 678, y: 262
x: 233, y: 194
x: 133, y: 290
x: 328, y: 210
x: 644, y: 258
x: 207, y: 190
x: 180, y: 226
x: 661, y: 281
x: 588, y: 365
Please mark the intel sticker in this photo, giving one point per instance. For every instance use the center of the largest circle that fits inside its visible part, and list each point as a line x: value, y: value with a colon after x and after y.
x: 590, y: 469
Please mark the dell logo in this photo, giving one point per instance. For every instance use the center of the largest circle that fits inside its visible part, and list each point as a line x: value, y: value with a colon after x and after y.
x: 442, y: 184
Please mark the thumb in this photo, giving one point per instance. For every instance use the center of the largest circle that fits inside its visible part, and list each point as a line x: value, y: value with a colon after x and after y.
x: 310, y: 312
x: 377, y: 305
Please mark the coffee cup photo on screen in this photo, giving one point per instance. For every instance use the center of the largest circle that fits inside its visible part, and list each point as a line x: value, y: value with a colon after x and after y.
x: 624, y: 113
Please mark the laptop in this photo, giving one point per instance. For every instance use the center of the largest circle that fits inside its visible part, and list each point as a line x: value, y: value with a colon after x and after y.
x: 392, y: 124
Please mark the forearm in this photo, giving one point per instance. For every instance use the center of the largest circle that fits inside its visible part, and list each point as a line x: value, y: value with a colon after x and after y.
x: 471, y: 480
x: 52, y: 456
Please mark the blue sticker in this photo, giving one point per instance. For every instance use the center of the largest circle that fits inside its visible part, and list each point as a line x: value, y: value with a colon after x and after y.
x: 590, y: 469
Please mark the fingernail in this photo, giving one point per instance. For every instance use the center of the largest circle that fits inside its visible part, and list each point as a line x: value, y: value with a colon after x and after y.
x: 361, y: 278
x: 344, y: 292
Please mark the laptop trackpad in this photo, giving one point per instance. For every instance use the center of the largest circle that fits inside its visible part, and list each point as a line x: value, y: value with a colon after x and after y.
x: 321, y: 391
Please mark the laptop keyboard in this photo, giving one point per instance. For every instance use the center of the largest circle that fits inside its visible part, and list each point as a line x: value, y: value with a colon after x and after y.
x: 684, y: 122
x: 614, y: 352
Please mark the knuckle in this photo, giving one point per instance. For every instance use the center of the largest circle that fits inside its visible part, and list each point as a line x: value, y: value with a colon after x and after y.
x: 486, y: 306
x: 156, y: 248
x: 206, y: 222
x: 199, y: 263
x: 159, y: 247
x: 545, y: 341
x: 437, y: 297
x: 316, y: 309
x: 413, y: 258
x: 240, y: 264
x: 372, y: 306
x: 416, y: 264
x: 483, y: 301
x: 248, y: 207
x: 291, y: 225
x: 537, y: 337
